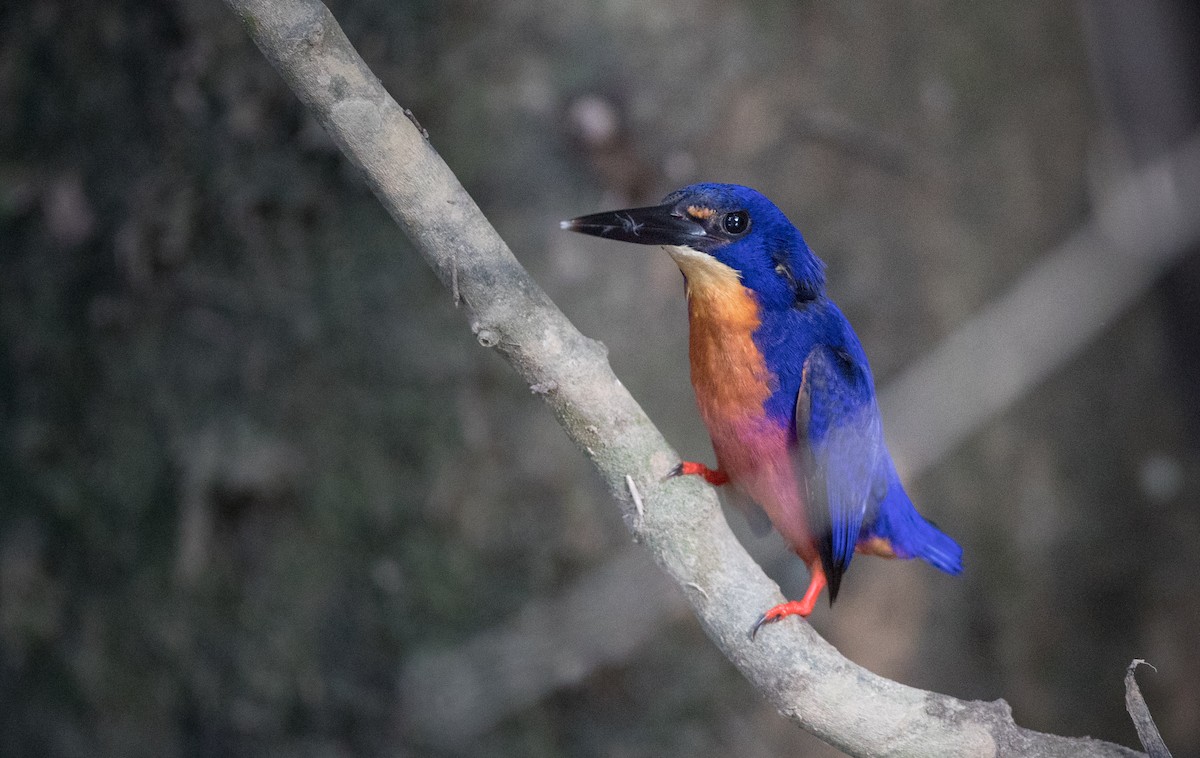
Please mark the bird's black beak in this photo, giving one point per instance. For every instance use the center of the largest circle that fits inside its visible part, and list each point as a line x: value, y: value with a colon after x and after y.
x: 656, y: 225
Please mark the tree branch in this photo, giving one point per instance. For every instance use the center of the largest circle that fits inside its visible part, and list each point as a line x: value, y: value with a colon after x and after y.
x: 682, y: 525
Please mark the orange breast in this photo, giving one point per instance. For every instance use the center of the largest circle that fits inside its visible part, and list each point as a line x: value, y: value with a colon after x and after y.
x: 732, y: 382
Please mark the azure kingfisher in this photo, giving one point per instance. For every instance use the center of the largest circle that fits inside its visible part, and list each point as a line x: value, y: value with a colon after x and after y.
x: 783, y: 385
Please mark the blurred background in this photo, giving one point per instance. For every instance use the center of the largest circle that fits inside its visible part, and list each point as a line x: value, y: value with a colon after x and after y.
x: 262, y: 493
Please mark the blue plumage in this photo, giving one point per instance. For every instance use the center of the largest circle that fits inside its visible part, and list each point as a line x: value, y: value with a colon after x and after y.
x: 783, y: 383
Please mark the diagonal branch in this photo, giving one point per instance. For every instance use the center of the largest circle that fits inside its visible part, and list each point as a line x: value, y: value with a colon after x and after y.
x: 682, y: 525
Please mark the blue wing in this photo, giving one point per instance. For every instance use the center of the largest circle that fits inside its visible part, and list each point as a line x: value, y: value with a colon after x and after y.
x: 839, y: 451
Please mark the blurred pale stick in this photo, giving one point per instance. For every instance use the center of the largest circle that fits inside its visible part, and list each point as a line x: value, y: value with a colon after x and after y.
x: 454, y: 695
x: 1065, y: 300
x: 683, y: 527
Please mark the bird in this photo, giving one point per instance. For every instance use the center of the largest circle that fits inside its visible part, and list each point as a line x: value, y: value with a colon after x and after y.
x: 783, y: 386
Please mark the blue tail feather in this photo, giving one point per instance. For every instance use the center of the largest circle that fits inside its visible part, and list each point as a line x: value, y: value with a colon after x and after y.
x: 912, y: 535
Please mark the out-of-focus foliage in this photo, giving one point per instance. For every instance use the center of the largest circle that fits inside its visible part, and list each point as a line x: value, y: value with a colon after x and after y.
x: 251, y: 461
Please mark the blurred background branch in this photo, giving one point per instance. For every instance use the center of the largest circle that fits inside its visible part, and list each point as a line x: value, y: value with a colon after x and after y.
x: 1143, y: 225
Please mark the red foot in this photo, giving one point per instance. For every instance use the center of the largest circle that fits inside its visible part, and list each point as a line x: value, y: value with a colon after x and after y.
x: 801, y: 607
x: 715, y: 477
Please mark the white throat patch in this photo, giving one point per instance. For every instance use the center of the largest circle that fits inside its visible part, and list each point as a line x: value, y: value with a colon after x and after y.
x: 701, y: 269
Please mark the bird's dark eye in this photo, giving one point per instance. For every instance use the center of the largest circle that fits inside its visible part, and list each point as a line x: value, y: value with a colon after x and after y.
x: 736, y: 222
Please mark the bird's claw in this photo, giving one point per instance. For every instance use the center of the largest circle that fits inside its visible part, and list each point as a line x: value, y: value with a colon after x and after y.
x: 715, y: 477
x: 758, y: 625
x: 801, y: 608
x: 677, y: 471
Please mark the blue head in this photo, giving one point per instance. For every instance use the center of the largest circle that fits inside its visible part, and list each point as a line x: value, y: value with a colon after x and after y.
x: 735, y: 225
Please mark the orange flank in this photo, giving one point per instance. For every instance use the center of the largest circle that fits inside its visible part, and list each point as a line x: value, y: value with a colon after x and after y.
x: 876, y: 546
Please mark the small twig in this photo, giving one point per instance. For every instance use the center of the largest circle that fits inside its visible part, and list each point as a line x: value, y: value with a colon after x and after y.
x: 697, y: 588
x: 637, y: 497
x: 413, y: 118
x: 1147, y: 730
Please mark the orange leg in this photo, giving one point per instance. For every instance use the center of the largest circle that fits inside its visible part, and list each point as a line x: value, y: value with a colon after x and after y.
x: 801, y: 607
x: 715, y: 477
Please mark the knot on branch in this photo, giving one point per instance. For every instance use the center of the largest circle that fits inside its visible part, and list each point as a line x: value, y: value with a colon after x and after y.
x: 307, y: 32
x: 1002, y: 708
x: 315, y: 35
x: 487, y: 337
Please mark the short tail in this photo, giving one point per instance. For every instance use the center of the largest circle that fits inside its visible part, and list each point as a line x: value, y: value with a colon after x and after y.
x: 935, y: 547
x: 914, y: 536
